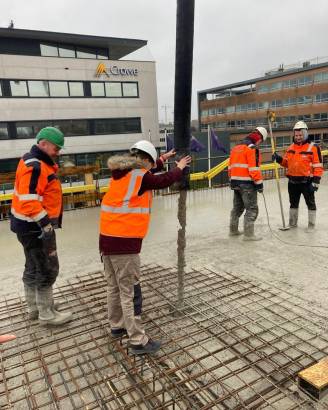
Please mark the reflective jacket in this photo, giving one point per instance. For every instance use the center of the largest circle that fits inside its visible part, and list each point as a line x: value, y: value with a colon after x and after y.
x: 124, y: 213
x: 244, y: 165
x: 37, y: 197
x: 303, y: 163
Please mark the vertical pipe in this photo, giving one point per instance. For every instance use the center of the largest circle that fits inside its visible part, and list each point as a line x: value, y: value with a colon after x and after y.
x: 209, y: 153
x: 182, y: 109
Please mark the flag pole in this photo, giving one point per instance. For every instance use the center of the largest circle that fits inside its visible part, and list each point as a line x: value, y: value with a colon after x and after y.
x: 209, y: 152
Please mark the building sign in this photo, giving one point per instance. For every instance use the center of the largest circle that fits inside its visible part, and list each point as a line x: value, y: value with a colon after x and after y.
x: 115, y: 70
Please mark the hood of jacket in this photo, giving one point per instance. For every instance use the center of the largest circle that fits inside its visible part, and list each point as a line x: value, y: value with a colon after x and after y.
x: 120, y: 165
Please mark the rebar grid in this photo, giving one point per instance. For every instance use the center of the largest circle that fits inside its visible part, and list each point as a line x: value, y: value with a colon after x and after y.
x: 234, y: 344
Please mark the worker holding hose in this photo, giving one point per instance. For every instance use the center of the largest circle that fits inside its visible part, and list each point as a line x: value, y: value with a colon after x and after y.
x: 303, y: 161
x: 246, y: 181
x: 124, y: 220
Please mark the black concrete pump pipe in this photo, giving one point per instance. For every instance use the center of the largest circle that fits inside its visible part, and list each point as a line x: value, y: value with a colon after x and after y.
x: 182, y: 108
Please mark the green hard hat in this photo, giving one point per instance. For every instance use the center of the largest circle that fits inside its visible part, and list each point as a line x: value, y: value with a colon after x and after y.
x: 51, y: 134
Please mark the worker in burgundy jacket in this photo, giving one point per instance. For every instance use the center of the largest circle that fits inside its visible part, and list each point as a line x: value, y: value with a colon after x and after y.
x: 124, y: 221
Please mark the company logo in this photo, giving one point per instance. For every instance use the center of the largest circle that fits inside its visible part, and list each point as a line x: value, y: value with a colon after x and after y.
x: 101, y: 69
x: 115, y: 70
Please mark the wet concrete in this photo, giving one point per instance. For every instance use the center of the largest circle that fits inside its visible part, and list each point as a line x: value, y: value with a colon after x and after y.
x: 301, y: 270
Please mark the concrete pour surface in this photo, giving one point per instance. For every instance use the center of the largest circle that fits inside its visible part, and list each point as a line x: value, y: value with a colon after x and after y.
x: 300, y: 270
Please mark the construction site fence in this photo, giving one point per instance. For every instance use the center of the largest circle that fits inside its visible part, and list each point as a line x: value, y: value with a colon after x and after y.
x: 87, y: 196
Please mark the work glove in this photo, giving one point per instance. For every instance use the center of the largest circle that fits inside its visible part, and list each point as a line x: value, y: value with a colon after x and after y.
x: 46, y: 232
x: 314, y: 187
x: 276, y: 157
x: 259, y: 188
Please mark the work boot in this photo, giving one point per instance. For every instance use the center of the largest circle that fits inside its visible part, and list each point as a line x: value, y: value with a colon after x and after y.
x: 293, y: 217
x: 117, y: 333
x: 48, y: 315
x: 30, y: 299
x: 249, y: 232
x: 234, y: 227
x: 151, y: 347
x: 311, y: 223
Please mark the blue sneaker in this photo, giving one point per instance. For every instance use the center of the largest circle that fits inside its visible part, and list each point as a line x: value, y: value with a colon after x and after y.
x: 151, y: 347
x: 118, y: 332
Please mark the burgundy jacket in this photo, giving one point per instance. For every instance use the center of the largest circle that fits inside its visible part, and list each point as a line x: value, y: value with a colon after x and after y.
x: 113, y: 245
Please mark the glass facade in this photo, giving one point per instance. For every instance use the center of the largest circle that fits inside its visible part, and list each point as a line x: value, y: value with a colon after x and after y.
x: 70, y: 51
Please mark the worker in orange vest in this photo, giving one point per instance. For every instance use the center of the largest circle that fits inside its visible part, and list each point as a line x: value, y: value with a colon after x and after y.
x: 303, y: 161
x: 36, y: 211
x: 124, y: 221
x: 246, y: 181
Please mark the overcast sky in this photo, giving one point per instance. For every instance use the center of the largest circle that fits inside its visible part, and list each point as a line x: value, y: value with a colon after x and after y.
x: 234, y: 39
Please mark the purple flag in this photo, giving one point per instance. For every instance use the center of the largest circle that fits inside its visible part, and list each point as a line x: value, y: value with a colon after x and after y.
x: 216, y: 144
x: 169, y: 143
x: 195, y: 145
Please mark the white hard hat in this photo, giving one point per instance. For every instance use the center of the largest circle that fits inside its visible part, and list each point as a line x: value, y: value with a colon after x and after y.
x: 263, y: 132
x: 145, y: 146
x: 300, y: 125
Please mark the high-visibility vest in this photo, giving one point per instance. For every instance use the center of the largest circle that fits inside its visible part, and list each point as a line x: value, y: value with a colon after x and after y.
x: 37, y: 197
x: 123, y: 212
x: 244, y: 165
x: 303, y: 161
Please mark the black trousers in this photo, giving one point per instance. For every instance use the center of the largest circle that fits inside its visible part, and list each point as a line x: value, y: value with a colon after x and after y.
x: 41, y: 260
x: 296, y: 190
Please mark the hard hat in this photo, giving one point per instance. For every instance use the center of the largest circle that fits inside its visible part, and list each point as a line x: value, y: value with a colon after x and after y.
x: 51, y: 134
x: 147, y: 147
x: 300, y: 125
x: 263, y: 132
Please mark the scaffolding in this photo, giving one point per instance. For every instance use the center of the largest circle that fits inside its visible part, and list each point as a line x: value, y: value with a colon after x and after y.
x: 234, y: 344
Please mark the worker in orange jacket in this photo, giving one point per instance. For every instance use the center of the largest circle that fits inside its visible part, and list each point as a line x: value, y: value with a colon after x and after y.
x: 36, y: 211
x: 246, y: 181
x: 303, y: 161
x: 124, y: 222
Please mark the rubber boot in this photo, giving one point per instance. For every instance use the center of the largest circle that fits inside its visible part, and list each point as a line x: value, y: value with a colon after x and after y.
x: 234, y: 227
x: 249, y: 232
x: 30, y: 299
x: 311, y: 223
x: 293, y: 217
x: 48, y: 315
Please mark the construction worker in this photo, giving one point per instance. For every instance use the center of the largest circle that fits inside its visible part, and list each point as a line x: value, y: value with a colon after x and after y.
x: 36, y: 211
x: 124, y: 221
x: 246, y: 181
x: 303, y: 161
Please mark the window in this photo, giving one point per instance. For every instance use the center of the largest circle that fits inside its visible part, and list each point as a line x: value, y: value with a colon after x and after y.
x: 204, y: 113
x: 320, y: 98
x: 321, y: 77
x: 85, y: 53
x: 0, y: 90
x: 18, y: 88
x: 97, y: 90
x: 130, y: 89
x: 58, y: 88
x: 263, y: 89
x: 263, y: 105
x: 76, y: 89
x: 276, y: 103
x: 113, y: 89
x: 3, y: 131
x: 304, y: 81
x: 66, y: 51
x: 38, y: 125
x: 118, y: 126
x: 73, y: 127
x: 212, y: 111
x: 289, y: 83
x: 48, y: 50
x: 305, y: 99
x: 38, y: 88
x: 220, y: 110
x: 238, y: 108
x: 276, y: 86
x: 289, y: 101
x: 25, y: 130
x: 230, y: 109
x: 102, y: 54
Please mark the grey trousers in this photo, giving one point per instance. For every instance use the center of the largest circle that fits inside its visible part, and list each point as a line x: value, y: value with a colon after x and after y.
x: 245, y: 197
x: 124, y: 297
